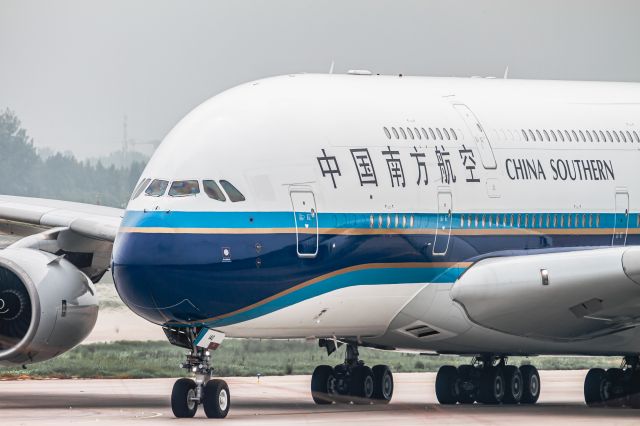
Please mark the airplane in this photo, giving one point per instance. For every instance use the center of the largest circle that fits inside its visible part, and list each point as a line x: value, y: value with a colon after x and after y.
x: 481, y: 217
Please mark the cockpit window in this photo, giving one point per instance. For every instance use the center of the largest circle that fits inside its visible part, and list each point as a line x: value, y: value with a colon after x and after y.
x: 141, y: 186
x: 182, y: 188
x: 212, y: 189
x: 232, y: 192
x: 157, y: 188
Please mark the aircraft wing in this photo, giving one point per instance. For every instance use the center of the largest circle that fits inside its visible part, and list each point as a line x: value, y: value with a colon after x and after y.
x: 20, y: 214
x: 83, y: 233
x: 569, y: 295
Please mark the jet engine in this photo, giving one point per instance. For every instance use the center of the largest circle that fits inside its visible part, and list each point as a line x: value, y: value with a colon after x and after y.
x: 47, y: 306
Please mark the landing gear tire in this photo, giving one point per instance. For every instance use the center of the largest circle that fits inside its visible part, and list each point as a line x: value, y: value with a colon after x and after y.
x: 183, y: 398
x: 617, y: 392
x: 447, y: 389
x: 217, y: 399
x: 467, y: 390
x: 491, y: 386
x: 323, y: 385
x: 362, y: 384
x: 382, y: 384
x: 596, y: 387
x: 530, y: 384
x: 633, y: 399
x: 513, y: 385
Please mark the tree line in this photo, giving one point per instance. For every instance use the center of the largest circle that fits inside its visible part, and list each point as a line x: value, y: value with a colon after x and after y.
x: 60, y: 175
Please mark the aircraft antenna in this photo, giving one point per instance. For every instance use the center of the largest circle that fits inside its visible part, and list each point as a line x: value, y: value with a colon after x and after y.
x: 333, y: 63
x: 506, y: 73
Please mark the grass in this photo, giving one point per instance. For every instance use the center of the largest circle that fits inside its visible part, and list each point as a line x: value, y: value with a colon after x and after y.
x: 247, y: 358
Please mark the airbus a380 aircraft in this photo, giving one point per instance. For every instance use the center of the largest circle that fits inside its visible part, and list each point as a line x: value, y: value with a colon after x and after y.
x: 478, y: 217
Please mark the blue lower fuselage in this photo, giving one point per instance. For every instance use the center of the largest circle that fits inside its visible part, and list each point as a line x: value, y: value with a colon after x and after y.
x: 217, y: 269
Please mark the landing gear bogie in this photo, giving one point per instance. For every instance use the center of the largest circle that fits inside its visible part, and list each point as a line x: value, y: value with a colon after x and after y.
x: 352, y: 382
x: 615, y: 387
x: 488, y: 381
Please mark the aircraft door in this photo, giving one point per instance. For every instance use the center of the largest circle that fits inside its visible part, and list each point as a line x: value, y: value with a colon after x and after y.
x: 476, y: 129
x: 306, y: 219
x: 443, y: 226
x: 621, y: 219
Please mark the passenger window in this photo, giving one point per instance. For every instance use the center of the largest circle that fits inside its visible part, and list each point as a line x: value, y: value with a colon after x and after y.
x: 602, y: 138
x: 232, y: 192
x: 141, y: 186
x: 395, y: 133
x: 526, y: 138
x: 532, y: 136
x: 183, y: 188
x: 616, y: 135
x: 446, y: 133
x: 424, y: 133
x: 609, y: 136
x: 635, y: 136
x: 386, y: 132
x: 410, y: 133
x: 402, y: 132
x: 595, y: 136
x: 546, y: 135
x: 629, y: 136
x: 553, y: 134
x: 539, y: 135
x: 439, y: 133
x: 575, y: 136
x: 433, y: 135
x: 567, y: 135
x: 560, y: 136
x: 453, y: 133
x: 582, y: 136
x: 212, y: 189
x: 623, y: 137
x: 157, y: 188
x: 417, y: 132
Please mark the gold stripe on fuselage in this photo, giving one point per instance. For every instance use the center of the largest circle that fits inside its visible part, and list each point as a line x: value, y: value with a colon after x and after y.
x: 376, y: 231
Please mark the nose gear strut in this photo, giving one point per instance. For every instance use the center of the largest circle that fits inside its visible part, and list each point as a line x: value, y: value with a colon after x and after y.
x: 187, y: 394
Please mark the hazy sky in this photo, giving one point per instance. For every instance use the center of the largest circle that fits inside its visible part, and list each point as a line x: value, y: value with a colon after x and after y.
x: 72, y: 68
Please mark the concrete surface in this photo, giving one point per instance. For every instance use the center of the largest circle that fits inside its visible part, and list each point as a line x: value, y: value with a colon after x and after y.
x: 286, y: 400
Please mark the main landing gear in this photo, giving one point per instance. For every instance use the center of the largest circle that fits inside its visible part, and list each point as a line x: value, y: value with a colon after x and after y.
x: 187, y: 394
x: 488, y: 380
x: 352, y: 381
x: 615, y: 387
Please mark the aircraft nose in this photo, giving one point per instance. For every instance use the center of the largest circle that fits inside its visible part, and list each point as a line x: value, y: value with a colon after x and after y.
x: 159, y: 276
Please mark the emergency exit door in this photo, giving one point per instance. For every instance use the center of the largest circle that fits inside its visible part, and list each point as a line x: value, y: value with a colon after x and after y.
x: 621, y: 219
x: 306, y: 221
x: 443, y: 223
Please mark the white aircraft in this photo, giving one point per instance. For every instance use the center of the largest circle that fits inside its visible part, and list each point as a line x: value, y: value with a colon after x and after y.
x: 479, y: 217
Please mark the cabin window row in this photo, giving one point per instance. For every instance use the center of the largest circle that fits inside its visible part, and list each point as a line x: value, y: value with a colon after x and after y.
x: 389, y: 221
x: 530, y: 220
x: 190, y: 187
x: 580, y: 135
x: 429, y: 133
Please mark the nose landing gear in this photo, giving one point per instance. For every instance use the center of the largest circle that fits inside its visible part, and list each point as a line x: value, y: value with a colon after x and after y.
x: 188, y: 394
x: 352, y: 381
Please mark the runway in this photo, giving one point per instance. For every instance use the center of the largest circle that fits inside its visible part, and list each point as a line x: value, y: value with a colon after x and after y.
x: 286, y: 400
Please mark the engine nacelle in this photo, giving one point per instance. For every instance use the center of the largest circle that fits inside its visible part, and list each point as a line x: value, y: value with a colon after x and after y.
x: 47, y: 306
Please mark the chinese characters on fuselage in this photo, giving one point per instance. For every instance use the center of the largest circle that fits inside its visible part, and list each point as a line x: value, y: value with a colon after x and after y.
x: 365, y: 169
